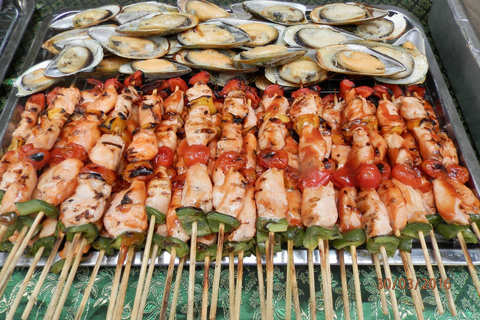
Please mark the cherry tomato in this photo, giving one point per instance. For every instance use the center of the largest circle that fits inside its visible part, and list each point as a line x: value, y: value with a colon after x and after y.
x: 434, y: 169
x: 364, y: 91
x: 177, y: 82
x: 273, y: 159
x: 368, y: 176
x: 164, y: 157
x: 384, y: 168
x: 252, y: 94
x: 38, y: 157
x: 330, y: 165
x: 230, y: 159
x: 314, y: 178
x: 395, y: 88
x: 233, y: 84
x: 406, y: 175
x: 345, y: 86
x: 458, y: 173
x: 70, y: 151
x: 138, y: 171
x: 135, y: 79
x: 203, y: 76
x: 106, y: 174
x: 302, y: 92
x: 328, y: 98
x: 273, y: 89
x: 196, y: 153
x: 381, y: 90
x: 418, y: 89
x: 343, y: 178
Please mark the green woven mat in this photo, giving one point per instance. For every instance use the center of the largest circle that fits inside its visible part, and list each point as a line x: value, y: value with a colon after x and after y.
x: 466, y: 299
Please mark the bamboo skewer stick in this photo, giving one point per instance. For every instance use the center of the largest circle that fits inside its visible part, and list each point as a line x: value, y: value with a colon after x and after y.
x: 414, y: 275
x: 471, y: 268
x: 238, y: 294
x: 430, y: 272
x: 413, y: 291
x: 3, y: 230
x: 474, y: 228
x: 343, y: 277
x: 296, y: 299
x: 143, y: 268
x: 326, y: 280
x: 89, y: 287
x: 61, y: 280
x: 71, y: 277
x: 231, y: 284
x: 21, y: 291
x: 311, y: 272
x: 124, y: 285
x: 115, y: 284
x: 388, y: 274
x: 191, y: 279
x: 269, y: 254
x: 9, y: 266
x: 11, y: 255
x: 288, y: 295
x: 168, y: 284
x: 261, y: 288
x: 148, y: 281
x: 206, y: 271
x: 178, y: 278
x: 216, y: 278
x: 43, y: 275
x: 356, y: 280
x: 443, y: 274
x: 378, y: 270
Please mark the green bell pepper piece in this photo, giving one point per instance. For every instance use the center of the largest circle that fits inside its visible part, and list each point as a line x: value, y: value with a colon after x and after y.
x: 272, y: 225
x: 188, y: 215
x: 434, y: 219
x: 104, y: 243
x: 158, y: 240
x: 35, y: 205
x: 159, y: 216
x: 413, y: 228
x: 390, y: 243
x: 17, y: 226
x: 57, y: 267
x: 128, y: 239
x: 235, y: 247
x: 215, y: 218
x: 450, y: 231
x: 181, y: 247
x: 46, y: 242
x: 60, y: 228
x: 204, y: 250
x: 355, y: 237
x: 89, y: 232
x: 405, y: 243
x: 2, y: 193
x: 8, y: 218
x: 315, y: 233
x: 27, y: 221
x: 6, y: 246
x: 261, y: 239
x: 296, y: 234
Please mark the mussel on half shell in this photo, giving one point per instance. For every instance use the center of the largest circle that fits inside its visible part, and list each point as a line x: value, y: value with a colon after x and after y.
x: 204, y: 10
x: 155, y: 68
x: 86, y: 18
x: 387, y: 28
x: 301, y: 72
x: 213, y: 34
x: 212, y: 60
x: 286, y: 13
x: 34, y: 80
x: 159, y: 23
x: 316, y: 36
x: 346, y: 13
x: 269, y: 56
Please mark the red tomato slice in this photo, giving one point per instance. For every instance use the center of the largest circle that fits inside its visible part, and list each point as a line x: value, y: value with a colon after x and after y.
x: 252, y: 95
x: 107, y: 175
x: 314, y: 178
x: 364, y: 91
x: 70, y: 151
x: 328, y: 98
x: 203, y: 76
x: 38, y: 157
x: 381, y: 90
x: 406, y: 175
x: 395, y: 88
x: 302, y: 92
x: 458, y: 173
x: 164, y: 157
x: 345, y: 86
x: 343, y: 178
x: 420, y: 90
x: 135, y: 79
x: 233, y: 84
x: 273, y: 159
x: 368, y: 176
x: 230, y: 159
x: 196, y: 153
x: 434, y: 169
x: 273, y: 89
x: 177, y: 82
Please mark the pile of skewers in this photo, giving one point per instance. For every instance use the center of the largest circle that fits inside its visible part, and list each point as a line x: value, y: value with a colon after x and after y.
x: 206, y: 174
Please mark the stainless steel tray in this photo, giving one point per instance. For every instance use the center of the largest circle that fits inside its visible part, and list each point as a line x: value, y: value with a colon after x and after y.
x: 441, y: 101
x: 14, y: 18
